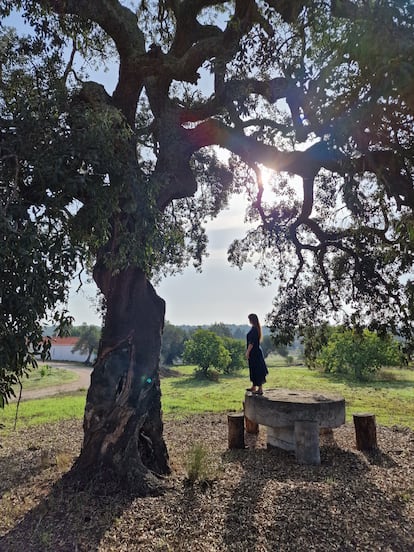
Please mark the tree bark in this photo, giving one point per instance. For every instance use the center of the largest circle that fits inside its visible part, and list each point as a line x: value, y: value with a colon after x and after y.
x: 123, y: 439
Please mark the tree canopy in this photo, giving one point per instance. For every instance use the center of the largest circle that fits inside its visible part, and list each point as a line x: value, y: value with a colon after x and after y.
x: 88, y: 341
x: 298, y: 88
x: 173, y: 339
x: 122, y: 182
x: 207, y: 350
x: 358, y: 354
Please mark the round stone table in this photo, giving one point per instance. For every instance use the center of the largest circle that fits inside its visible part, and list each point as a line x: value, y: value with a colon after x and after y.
x: 293, y: 419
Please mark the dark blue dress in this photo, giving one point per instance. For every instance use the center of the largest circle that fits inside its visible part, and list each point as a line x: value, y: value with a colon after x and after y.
x: 257, y: 365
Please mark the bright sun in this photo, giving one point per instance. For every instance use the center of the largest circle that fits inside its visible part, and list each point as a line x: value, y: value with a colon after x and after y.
x: 266, y: 175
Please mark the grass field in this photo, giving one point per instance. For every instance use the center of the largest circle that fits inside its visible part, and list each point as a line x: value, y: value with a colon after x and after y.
x: 390, y: 397
x: 47, y: 376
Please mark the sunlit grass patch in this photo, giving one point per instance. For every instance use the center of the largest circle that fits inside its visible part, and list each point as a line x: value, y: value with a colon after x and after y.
x: 389, y: 397
x: 47, y: 376
x: 40, y: 411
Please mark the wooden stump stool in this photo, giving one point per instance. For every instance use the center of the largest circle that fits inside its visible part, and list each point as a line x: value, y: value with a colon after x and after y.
x: 236, y: 430
x: 365, y: 431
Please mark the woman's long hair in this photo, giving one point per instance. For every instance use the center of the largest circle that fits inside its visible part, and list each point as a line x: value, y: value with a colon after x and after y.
x: 254, y: 321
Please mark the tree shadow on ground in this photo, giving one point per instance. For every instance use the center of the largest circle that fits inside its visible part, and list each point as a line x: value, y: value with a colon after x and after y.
x: 68, y: 518
x: 255, y: 499
x: 193, y: 382
x: 18, y: 472
x: 376, y: 457
x: 326, y: 504
x: 372, y: 383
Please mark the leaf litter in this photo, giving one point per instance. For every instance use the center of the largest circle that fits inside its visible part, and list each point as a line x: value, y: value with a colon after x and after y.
x: 255, y: 499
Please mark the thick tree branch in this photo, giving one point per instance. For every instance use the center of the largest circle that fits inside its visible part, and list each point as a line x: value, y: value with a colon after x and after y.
x: 121, y: 25
x: 118, y: 21
x: 188, y: 29
x: 303, y: 163
x: 229, y: 92
x: 389, y: 170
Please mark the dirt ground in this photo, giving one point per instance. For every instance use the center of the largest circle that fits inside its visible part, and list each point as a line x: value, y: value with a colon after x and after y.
x: 82, y: 382
x: 256, y: 499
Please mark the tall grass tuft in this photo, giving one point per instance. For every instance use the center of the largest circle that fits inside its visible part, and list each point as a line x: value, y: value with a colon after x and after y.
x: 198, y: 466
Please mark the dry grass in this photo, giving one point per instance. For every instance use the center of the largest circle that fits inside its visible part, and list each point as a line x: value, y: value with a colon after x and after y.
x: 254, y: 499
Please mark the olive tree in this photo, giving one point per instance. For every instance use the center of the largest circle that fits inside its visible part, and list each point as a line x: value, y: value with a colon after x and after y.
x: 358, y: 354
x: 207, y: 350
x: 88, y: 341
x: 122, y: 181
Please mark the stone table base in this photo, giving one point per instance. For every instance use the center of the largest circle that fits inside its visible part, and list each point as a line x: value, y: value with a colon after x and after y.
x: 294, y: 419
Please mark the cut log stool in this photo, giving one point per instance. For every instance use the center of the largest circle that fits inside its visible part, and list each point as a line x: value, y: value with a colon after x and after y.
x: 236, y: 430
x: 365, y: 431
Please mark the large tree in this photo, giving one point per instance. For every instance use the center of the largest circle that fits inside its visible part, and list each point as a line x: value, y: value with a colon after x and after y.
x: 173, y: 339
x: 318, y: 90
x: 88, y: 341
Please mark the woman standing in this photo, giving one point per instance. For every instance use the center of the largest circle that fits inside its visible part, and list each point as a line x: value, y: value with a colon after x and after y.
x: 254, y: 354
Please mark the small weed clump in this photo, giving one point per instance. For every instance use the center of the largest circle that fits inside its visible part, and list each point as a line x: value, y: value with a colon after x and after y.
x: 199, y: 466
x: 64, y: 461
x: 45, y: 370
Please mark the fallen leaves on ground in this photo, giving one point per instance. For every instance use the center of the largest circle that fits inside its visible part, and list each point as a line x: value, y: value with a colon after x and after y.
x: 254, y: 499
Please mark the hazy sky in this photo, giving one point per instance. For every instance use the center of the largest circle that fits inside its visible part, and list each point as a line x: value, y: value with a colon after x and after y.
x: 221, y: 293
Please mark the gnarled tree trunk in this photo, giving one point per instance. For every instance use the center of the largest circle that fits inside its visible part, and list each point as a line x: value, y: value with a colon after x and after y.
x: 123, y: 438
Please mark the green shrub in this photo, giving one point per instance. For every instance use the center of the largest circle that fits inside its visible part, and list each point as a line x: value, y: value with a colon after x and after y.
x: 45, y: 370
x: 358, y: 354
x: 207, y: 350
x: 237, y: 349
x: 198, y: 465
x: 210, y: 374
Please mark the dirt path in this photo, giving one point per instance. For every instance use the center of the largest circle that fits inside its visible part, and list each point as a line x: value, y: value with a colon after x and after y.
x: 82, y: 382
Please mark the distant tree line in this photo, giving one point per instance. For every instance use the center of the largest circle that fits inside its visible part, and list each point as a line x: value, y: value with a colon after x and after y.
x: 174, y: 339
x: 219, y: 348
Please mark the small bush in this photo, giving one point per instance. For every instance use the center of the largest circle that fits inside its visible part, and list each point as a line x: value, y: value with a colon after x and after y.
x: 289, y: 360
x: 210, y: 374
x: 207, y: 350
x: 213, y: 375
x: 359, y: 355
x: 237, y: 349
x: 45, y: 370
x: 198, y: 465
